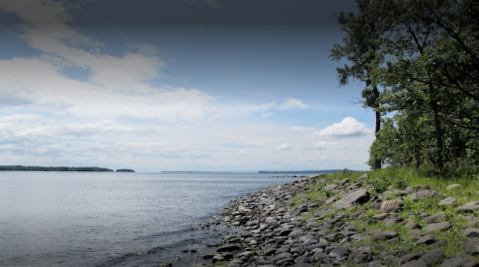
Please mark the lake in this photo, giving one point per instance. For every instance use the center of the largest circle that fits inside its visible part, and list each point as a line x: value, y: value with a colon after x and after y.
x: 113, y: 219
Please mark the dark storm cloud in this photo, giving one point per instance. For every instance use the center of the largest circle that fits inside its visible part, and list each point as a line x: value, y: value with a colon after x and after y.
x: 208, y: 12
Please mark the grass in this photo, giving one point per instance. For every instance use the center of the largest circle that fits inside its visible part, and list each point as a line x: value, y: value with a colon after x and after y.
x: 392, y: 180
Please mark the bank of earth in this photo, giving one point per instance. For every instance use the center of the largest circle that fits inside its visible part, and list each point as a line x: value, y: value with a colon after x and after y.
x: 352, y: 220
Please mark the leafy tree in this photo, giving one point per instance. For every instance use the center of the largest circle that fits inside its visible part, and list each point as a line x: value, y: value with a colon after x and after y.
x: 361, y: 46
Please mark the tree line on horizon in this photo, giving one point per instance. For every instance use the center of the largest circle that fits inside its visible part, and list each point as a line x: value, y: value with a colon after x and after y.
x: 54, y: 169
x: 419, y: 63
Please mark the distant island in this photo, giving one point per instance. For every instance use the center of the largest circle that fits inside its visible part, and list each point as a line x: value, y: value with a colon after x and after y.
x: 54, y: 169
x: 125, y: 170
x: 308, y: 171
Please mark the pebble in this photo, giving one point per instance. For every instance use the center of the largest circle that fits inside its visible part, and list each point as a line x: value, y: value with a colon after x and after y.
x: 274, y: 233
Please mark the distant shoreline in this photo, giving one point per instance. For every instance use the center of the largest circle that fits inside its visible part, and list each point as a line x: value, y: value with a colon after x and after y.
x: 309, y: 171
x: 54, y: 169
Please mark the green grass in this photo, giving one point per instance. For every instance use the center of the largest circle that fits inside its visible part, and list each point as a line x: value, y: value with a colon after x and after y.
x: 400, y: 178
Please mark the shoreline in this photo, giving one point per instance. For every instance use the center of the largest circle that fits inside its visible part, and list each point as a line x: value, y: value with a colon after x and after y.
x: 276, y: 229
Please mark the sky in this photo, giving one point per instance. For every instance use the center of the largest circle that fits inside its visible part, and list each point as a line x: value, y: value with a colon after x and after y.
x: 178, y: 85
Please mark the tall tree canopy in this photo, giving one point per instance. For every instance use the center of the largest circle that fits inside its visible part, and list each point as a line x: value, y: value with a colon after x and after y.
x: 425, y: 56
x: 361, y: 47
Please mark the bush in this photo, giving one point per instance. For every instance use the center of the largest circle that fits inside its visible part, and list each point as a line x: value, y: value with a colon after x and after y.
x: 380, y: 183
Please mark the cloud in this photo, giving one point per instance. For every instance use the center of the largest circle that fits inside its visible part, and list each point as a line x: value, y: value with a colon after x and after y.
x: 284, y: 147
x: 241, y: 152
x: 197, y: 153
x: 292, y: 103
x: 349, y: 126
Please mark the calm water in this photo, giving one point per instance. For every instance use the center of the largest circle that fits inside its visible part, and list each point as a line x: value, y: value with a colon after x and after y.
x: 112, y: 219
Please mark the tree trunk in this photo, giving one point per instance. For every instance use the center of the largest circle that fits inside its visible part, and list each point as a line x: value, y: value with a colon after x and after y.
x: 377, y: 162
x: 438, y: 133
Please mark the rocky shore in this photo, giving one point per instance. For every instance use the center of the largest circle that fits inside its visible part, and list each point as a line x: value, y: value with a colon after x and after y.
x: 280, y: 227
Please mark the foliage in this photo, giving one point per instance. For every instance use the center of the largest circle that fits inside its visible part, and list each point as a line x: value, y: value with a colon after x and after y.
x: 425, y: 57
x: 380, y: 184
x: 55, y: 169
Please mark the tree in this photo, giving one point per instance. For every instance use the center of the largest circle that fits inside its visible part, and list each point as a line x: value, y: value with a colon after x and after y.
x: 434, y: 69
x: 361, y: 46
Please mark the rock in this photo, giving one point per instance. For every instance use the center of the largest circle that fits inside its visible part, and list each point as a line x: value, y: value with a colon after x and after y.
x: 469, y: 207
x: 471, y: 264
x: 447, y: 201
x: 471, y: 232
x: 362, y: 254
x: 339, y: 252
x: 391, y: 221
x: 435, y: 227
x: 427, y: 239
x: 320, y: 256
x: 359, y: 196
x: 329, y: 187
x: 438, y: 244
x: 422, y: 194
x: 285, y: 232
x: 417, y: 263
x: 454, y: 262
x: 410, y: 257
x: 433, y: 257
x: 381, y: 216
x: 453, y: 186
x: 330, y: 200
x: 412, y: 225
x: 434, y: 218
x: 472, y: 245
x: 376, y: 264
x: 380, y: 235
x: 228, y: 248
x: 364, y: 177
x: 283, y: 258
x: 297, y: 232
x: 217, y: 258
x: 208, y: 256
x: 391, y: 205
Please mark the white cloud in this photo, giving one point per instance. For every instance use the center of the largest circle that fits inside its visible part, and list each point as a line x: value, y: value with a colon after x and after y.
x: 292, y: 103
x: 197, y: 153
x: 284, y: 147
x: 241, y: 152
x: 349, y: 126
